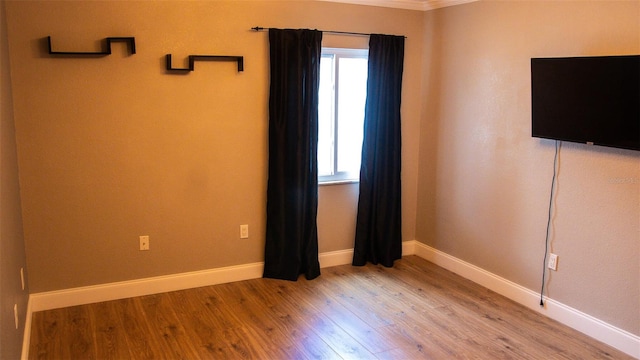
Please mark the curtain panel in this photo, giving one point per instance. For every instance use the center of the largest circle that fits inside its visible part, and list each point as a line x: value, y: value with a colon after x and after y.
x: 379, y: 221
x: 291, y: 246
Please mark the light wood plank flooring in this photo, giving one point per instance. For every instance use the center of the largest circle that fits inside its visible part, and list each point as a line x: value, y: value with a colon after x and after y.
x: 415, y: 310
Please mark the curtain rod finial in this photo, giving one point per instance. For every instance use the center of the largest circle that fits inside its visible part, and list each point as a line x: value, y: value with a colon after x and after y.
x: 257, y: 28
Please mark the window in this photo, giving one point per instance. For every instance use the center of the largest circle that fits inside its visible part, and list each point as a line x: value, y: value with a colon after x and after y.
x: 343, y: 92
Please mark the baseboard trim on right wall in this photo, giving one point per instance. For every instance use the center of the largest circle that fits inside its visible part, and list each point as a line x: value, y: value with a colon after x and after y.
x: 585, y: 323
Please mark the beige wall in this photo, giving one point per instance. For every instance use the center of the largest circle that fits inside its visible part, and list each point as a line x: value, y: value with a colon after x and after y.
x: 484, y: 181
x: 113, y: 148
x: 12, y: 250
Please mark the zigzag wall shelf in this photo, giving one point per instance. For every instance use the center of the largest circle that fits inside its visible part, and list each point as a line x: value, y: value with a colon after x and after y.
x: 129, y: 40
x: 132, y: 50
x: 194, y: 58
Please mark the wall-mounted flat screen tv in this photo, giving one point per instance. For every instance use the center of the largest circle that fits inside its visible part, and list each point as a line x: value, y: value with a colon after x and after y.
x: 593, y: 100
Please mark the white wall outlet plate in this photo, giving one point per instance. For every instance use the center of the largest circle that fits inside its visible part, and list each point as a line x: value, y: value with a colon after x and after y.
x: 15, y: 314
x: 553, y: 262
x: 244, y: 231
x: 144, y: 242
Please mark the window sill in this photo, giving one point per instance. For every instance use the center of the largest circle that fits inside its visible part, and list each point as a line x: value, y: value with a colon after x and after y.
x: 338, y: 182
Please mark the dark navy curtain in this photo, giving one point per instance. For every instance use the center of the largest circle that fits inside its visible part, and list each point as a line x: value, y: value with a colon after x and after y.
x: 379, y: 221
x: 291, y: 247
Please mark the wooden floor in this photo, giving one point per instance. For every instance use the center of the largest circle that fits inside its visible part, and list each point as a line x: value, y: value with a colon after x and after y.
x: 415, y: 310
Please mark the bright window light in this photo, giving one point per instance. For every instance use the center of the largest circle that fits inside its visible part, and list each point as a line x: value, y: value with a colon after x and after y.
x: 343, y: 92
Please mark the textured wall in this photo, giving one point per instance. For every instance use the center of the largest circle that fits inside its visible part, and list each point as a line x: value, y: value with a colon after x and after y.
x: 112, y: 148
x: 12, y: 250
x: 484, y: 181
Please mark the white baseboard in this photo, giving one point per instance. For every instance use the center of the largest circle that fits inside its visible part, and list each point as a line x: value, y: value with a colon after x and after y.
x: 599, y: 330
x: 154, y: 285
x: 344, y: 257
x: 335, y: 258
x: 158, y: 284
x: 585, y: 323
x: 26, y: 336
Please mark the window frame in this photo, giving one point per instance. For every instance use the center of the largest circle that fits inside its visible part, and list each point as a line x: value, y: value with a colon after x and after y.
x: 339, y: 177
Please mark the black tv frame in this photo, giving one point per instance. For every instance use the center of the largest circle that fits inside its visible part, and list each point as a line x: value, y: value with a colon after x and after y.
x: 592, y: 99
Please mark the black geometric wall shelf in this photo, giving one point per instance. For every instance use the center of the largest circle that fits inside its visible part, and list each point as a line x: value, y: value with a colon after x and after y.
x: 129, y: 40
x: 193, y: 58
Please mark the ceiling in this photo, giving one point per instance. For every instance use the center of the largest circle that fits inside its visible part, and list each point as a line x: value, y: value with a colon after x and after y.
x: 423, y: 5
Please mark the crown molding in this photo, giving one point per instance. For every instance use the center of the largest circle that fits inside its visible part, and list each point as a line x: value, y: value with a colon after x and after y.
x: 421, y: 5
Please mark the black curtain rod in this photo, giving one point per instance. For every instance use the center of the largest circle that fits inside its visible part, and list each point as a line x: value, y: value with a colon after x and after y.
x: 260, y: 28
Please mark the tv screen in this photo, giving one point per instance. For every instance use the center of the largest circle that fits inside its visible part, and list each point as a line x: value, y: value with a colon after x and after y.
x: 592, y: 100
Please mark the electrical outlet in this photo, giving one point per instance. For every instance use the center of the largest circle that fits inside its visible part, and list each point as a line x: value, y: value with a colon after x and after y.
x: 144, y: 242
x: 244, y: 231
x: 15, y: 314
x: 553, y: 262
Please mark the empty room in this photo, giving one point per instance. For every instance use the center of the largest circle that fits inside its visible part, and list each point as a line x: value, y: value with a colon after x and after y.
x: 377, y: 179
